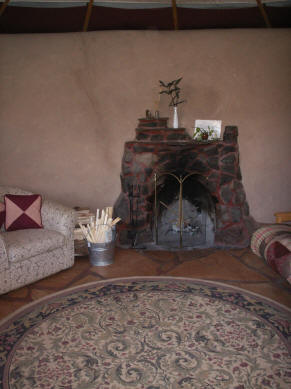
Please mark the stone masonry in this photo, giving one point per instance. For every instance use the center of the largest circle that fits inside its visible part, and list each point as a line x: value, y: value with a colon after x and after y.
x: 158, y: 148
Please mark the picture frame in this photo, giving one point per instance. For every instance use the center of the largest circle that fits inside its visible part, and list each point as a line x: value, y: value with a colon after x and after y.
x: 206, y: 125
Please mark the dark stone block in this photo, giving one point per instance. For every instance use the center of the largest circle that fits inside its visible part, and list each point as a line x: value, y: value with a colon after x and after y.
x: 232, y: 236
x: 251, y: 225
x: 225, y: 179
x: 151, y: 125
x: 148, y: 171
x: 219, y: 224
x: 226, y: 194
x: 164, y: 157
x: 140, y: 202
x: 140, y: 222
x: 182, y: 162
x: 212, y: 150
x: 175, y: 136
x: 127, y: 182
x: 213, y: 176
x: 128, y: 155
x: 125, y: 238
x: 192, y: 155
x: 121, y: 207
x: 236, y: 214
x: 136, y: 168
x: 143, y: 238
x: 228, y: 169
x: 230, y: 134
x: 239, y: 176
x: 149, y: 206
x: 198, y: 166
x: 213, y: 163
x: 239, y: 197
x: 143, y: 149
x: 211, y: 185
x: 157, y: 137
x: 223, y: 214
x: 170, y: 166
x: 229, y: 160
x: 142, y: 177
x: 227, y: 149
x: 144, y: 190
x: 153, y: 122
x: 142, y: 136
x: 126, y: 169
x: 123, y: 187
x: 202, y: 158
x: 237, y: 185
x: 246, y: 209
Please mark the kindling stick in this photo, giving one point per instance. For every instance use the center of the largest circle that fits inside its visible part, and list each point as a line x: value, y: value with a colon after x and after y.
x: 115, y: 221
x: 96, y: 232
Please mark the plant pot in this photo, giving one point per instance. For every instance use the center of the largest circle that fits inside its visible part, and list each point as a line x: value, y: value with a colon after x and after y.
x: 204, y: 136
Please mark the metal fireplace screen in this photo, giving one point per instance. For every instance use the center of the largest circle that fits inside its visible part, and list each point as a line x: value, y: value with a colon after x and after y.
x: 182, y: 222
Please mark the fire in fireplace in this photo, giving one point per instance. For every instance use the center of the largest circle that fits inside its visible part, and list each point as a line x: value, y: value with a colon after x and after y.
x: 180, y: 194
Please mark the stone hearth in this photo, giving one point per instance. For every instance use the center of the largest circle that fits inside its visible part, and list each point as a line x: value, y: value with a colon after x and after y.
x: 214, y: 168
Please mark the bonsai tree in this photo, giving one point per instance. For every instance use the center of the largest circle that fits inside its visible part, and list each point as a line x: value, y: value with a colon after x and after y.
x: 173, y: 90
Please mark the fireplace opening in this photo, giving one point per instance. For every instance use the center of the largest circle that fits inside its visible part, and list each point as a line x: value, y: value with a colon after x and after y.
x: 184, y: 211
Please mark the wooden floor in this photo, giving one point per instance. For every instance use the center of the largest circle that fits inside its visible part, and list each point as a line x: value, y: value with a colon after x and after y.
x: 234, y: 267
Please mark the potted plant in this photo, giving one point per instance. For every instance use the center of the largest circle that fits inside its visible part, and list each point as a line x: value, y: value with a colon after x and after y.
x: 201, y: 134
x: 173, y: 90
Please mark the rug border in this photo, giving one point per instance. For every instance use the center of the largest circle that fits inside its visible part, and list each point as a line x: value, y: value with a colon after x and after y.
x: 22, y: 310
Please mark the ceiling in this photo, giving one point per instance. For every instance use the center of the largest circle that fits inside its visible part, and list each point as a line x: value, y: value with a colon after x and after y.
x: 53, y: 16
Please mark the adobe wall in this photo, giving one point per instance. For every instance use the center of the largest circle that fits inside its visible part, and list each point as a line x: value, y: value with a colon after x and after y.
x: 70, y: 101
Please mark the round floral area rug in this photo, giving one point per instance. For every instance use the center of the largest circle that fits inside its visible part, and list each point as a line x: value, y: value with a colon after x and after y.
x: 148, y: 333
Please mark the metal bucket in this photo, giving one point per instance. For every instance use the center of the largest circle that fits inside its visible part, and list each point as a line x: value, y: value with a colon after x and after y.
x: 102, y: 254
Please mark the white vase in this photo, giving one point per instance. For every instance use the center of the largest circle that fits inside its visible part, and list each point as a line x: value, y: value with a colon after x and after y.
x: 175, y: 118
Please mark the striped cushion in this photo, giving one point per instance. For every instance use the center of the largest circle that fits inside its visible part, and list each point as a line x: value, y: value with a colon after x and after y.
x: 265, y: 235
x: 273, y: 243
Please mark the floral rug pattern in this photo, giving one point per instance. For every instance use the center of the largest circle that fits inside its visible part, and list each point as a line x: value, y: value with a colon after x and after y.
x: 148, y: 333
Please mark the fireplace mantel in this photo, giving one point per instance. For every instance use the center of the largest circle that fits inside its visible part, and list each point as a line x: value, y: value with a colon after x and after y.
x: 159, y: 149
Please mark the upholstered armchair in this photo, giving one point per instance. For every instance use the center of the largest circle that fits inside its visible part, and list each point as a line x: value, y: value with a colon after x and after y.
x: 29, y: 255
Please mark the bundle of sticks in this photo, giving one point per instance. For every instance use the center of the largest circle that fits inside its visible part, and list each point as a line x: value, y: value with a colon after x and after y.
x: 100, y: 229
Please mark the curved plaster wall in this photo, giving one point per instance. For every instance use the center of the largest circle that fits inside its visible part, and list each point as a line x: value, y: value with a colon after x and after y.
x: 70, y: 101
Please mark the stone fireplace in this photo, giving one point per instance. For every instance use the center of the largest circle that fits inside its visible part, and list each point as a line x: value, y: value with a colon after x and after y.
x: 177, y: 193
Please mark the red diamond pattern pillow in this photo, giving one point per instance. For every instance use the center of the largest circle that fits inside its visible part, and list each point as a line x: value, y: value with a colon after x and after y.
x: 2, y: 214
x: 22, y: 212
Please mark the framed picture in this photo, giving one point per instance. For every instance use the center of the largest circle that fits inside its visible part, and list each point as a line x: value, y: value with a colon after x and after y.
x: 212, y: 127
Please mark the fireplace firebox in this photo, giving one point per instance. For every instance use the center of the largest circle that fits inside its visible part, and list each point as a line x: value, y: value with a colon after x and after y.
x: 183, y: 211
x: 177, y: 193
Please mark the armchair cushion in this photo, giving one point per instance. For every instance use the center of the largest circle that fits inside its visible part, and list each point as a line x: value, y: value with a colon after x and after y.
x: 28, y: 243
x: 58, y: 217
x: 4, y: 265
x: 22, y: 211
x: 2, y: 214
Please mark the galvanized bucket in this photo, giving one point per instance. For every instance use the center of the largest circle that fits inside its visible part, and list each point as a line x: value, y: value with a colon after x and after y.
x: 102, y: 254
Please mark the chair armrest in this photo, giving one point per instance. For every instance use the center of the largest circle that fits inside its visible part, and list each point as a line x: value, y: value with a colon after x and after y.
x: 58, y: 217
x: 3, y: 255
